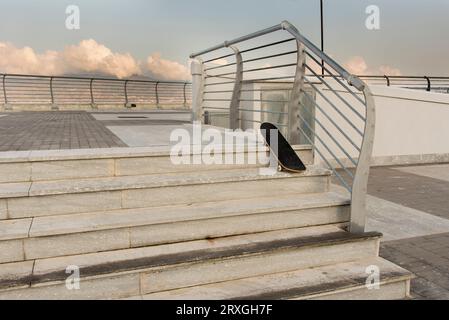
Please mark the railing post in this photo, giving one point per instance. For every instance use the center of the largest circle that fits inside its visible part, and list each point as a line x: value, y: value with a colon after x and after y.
x: 197, y: 71
x: 429, y: 87
x: 235, y: 100
x: 360, y: 183
x: 126, y: 95
x: 53, y: 105
x: 296, y: 96
x: 185, y: 97
x: 7, y: 106
x: 157, y: 96
x: 92, y: 100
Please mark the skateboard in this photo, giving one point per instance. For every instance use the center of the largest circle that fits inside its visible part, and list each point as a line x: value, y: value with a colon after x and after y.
x: 287, y: 158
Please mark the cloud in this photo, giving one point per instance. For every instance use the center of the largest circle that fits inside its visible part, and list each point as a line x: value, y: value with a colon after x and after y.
x: 25, y: 60
x: 88, y: 56
x: 357, y: 65
x: 165, y: 69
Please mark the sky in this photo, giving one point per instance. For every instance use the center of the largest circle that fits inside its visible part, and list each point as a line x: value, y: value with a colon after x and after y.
x: 155, y: 37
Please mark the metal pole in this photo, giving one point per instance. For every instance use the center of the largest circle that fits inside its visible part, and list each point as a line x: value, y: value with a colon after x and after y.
x: 126, y: 93
x: 7, y: 105
x: 197, y: 71
x: 4, y: 89
x: 157, y: 95
x: 185, y: 97
x: 234, y: 106
x: 429, y: 87
x: 92, y: 100
x: 296, y: 95
x: 53, y: 106
x: 322, y: 35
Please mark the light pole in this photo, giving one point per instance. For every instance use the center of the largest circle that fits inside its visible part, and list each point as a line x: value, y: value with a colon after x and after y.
x: 322, y: 36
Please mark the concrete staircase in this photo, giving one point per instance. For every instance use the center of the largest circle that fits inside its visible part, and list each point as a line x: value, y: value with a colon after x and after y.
x: 139, y: 227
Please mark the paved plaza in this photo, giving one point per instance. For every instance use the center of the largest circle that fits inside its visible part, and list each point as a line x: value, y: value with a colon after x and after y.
x: 408, y: 204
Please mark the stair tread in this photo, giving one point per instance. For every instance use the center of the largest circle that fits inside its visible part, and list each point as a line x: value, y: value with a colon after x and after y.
x: 85, y: 222
x: 41, y: 188
x: 91, y: 264
x: 291, y: 285
x: 95, y: 153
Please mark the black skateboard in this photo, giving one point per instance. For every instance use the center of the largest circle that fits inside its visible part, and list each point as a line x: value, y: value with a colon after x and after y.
x: 287, y: 158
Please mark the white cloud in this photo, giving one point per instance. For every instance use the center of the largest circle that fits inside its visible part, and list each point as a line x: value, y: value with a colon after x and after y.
x: 88, y: 56
x: 166, y: 69
x: 357, y: 65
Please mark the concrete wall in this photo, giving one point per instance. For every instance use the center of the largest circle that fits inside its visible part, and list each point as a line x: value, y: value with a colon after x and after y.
x: 412, y: 126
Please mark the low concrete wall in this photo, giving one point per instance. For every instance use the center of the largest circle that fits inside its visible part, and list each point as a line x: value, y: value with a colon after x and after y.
x: 412, y: 126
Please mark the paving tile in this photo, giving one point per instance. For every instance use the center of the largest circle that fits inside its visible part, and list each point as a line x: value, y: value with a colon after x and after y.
x: 54, y: 130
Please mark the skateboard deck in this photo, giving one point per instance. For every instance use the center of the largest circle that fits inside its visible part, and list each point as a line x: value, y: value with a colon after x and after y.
x: 287, y: 158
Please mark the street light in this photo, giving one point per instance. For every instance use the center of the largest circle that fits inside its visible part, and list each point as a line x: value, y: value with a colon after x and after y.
x: 322, y: 37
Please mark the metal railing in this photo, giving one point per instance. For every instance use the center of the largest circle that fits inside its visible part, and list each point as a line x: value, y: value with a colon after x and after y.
x: 262, y: 77
x: 18, y: 89
x: 427, y: 83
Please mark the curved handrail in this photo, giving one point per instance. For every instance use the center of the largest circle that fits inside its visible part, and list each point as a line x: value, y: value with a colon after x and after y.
x: 286, y: 25
x: 354, y: 127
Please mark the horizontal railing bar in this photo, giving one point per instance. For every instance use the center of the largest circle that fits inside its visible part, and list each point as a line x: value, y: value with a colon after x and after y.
x: 267, y: 45
x: 264, y: 100
x: 270, y: 67
x: 331, y: 136
x: 217, y: 99
x: 353, y: 80
x: 332, y: 121
x: 327, y: 148
x: 219, y: 91
x: 333, y: 106
x: 325, y: 160
x: 263, y: 111
x: 216, y: 108
x: 217, y: 83
x: 271, y: 78
x: 220, y: 57
x: 270, y: 56
x: 10, y: 76
x: 266, y: 89
x: 337, y: 94
x: 237, y: 40
x: 219, y: 75
x: 335, y: 77
x: 221, y: 66
x: 257, y: 121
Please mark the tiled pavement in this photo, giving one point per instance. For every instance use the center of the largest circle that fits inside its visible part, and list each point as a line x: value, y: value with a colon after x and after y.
x: 411, y: 190
x: 424, y: 189
x: 54, y: 130
x: 426, y: 256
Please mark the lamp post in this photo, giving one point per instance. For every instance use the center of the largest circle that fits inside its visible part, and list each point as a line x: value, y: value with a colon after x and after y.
x: 322, y: 36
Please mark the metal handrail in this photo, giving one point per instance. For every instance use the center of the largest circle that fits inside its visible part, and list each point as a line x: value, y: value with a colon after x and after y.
x: 22, y: 89
x: 344, y: 114
x: 428, y: 83
x: 285, y: 25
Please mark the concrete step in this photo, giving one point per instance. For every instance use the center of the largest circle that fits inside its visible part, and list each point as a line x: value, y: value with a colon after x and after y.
x: 33, y: 199
x: 132, y: 272
x: 52, y: 236
x: 340, y: 281
x: 343, y: 281
x: 44, y: 165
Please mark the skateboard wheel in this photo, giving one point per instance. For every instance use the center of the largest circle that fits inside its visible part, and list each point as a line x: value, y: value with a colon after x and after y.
x: 279, y: 168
